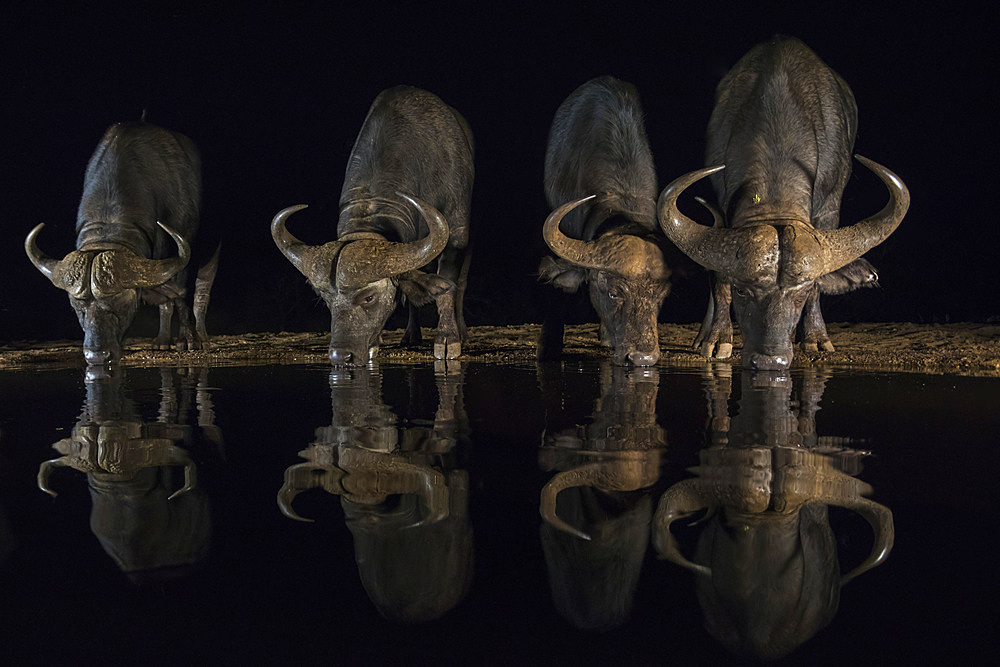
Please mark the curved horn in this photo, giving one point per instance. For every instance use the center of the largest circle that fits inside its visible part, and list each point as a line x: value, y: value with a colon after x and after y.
x: 680, y: 500
x: 313, y: 475
x: 314, y: 262
x: 168, y: 267
x: 285, y: 497
x: 844, y: 245
x: 843, y: 490
x: 297, y: 252
x: 433, y: 490
x: 366, y: 261
x: 42, y: 262
x: 115, y: 270
x: 70, y: 273
x: 45, y: 469
x: 178, y: 456
x: 712, y: 247
x: 717, y: 219
x: 586, y: 475
x: 395, y: 476
x: 879, y: 518
x: 574, y: 250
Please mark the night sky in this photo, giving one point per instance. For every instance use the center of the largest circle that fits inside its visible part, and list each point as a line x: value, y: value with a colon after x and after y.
x: 274, y: 99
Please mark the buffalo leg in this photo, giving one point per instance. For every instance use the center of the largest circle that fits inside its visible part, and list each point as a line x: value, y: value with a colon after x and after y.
x: 715, y: 338
x: 550, y: 341
x: 202, y: 291
x: 814, y: 336
x: 463, y: 278
x: 162, y: 340
x: 185, y: 335
x: 448, y: 343
x: 412, y: 337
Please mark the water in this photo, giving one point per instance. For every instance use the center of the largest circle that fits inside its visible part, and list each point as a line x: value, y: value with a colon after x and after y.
x: 423, y: 486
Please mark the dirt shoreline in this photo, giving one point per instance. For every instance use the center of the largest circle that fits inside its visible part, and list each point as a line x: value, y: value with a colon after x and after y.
x: 960, y: 348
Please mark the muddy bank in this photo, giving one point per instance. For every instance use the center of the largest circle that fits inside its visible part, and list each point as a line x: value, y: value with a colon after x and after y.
x: 970, y: 349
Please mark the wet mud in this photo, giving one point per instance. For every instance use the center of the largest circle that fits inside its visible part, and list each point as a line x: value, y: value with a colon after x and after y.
x: 962, y: 348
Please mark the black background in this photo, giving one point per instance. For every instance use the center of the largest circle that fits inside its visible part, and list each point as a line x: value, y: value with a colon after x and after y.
x: 274, y: 97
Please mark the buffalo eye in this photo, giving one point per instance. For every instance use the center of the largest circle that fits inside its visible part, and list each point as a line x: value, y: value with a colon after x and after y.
x: 366, y: 298
x: 742, y: 292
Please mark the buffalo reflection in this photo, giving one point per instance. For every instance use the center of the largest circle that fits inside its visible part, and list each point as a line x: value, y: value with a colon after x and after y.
x: 606, y: 469
x: 404, y: 500
x: 151, y: 525
x: 766, y: 556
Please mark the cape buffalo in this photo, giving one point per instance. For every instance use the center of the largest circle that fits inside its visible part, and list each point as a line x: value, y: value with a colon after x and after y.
x: 783, y: 129
x: 599, y: 173
x: 405, y: 201
x: 142, y: 189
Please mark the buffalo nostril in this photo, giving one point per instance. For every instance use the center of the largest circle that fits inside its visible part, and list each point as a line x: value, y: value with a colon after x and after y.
x: 643, y: 359
x: 340, y: 357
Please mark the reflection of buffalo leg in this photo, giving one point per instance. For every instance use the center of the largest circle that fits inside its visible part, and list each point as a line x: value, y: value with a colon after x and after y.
x: 717, y: 381
x: 812, y: 386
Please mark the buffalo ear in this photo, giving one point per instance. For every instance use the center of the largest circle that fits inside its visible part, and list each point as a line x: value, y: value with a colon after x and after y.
x: 857, y: 274
x: 561, y: 274
x: 421, y: 288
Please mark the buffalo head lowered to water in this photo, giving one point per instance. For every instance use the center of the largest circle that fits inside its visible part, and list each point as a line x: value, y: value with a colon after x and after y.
x: 781, y: 135
x: 405, y: 202
x: 140, y: 199
x: 599, y: 178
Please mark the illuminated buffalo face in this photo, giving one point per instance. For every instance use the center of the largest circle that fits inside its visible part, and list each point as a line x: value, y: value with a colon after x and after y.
x: 357, y: 276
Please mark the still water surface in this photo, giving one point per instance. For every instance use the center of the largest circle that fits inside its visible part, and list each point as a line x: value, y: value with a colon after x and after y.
x: 291, y: 513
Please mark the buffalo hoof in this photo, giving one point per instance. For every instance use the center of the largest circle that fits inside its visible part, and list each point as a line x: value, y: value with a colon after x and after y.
x: 712, y: 349
x: 821, y: 346
x: 447, y: 350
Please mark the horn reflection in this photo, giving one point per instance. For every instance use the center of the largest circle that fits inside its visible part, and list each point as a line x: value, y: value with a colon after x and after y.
x: 769, y: 573
x: 148, y: 513
x: 404, y: 499
x: 598, y: 506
